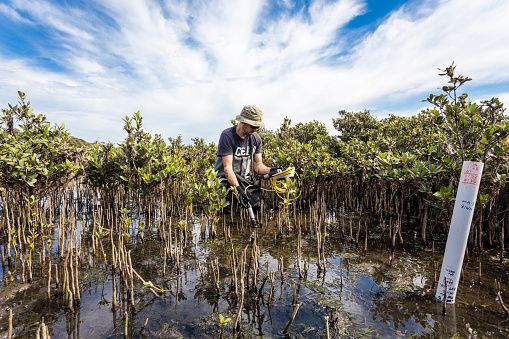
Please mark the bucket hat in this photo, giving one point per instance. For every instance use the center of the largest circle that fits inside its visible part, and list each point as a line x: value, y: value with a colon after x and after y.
x: 251, y: 115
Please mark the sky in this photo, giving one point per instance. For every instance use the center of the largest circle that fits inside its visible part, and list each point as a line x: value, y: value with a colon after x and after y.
x: 190, y: 66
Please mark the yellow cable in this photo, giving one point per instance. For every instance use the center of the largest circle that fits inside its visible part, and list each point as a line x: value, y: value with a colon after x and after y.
x: 280, y: 188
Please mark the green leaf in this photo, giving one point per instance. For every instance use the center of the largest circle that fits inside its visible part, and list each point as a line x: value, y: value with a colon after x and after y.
x: 31, y: 182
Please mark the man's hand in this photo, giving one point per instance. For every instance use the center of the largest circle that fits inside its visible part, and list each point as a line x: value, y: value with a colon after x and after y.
x: 243, y: 198
x: 273, y: 171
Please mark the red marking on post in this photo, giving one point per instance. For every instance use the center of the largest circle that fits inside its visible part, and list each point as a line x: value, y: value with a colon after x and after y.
x: 471, y: 174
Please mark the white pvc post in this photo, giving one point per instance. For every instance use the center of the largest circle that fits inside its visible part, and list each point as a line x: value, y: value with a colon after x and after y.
x: 462, y: 214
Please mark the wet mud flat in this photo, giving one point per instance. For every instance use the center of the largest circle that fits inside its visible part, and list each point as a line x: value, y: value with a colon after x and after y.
x: 286, y: 291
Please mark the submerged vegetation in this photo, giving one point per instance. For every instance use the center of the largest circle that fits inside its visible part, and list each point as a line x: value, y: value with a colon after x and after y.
x: 67, y: 206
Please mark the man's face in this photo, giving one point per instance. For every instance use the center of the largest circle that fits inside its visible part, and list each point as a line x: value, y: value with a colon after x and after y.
x: 249, y: 129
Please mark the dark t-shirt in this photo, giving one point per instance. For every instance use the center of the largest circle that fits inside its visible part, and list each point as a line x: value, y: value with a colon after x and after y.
x: 243, y: 151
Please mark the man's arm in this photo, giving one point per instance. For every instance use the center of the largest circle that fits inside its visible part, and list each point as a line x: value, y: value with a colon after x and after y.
x: 259, y: 166
x: 228, y: 170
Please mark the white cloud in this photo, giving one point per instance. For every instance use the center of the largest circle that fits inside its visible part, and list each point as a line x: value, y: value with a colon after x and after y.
x: 87, y: 66
x: 58, y: 19
x: 12, y: 14
x: 187, y: 64
x: 470, y: 33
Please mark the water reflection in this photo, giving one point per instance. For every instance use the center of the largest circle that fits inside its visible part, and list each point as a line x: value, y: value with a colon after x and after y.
x: 419, y: 281
x: 360, y: 293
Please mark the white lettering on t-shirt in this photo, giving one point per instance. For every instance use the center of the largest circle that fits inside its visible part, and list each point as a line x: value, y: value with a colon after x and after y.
x: 242, y: 151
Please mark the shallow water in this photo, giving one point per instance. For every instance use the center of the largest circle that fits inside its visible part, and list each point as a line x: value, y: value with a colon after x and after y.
x: 360, y: 293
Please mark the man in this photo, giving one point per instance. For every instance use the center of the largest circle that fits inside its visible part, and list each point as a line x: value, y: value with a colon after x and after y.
x: 239, y: 156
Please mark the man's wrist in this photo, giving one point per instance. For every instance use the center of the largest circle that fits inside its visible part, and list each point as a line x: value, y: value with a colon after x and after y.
x: 272, y: 171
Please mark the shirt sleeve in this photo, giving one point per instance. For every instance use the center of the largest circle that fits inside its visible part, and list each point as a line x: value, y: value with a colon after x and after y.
x: 225, y: 145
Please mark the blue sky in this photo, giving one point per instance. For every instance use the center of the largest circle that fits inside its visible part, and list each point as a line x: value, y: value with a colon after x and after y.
x: 190, y: 66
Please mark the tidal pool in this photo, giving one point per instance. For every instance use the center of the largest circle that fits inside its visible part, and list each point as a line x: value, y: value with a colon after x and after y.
x: 359, y: 294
